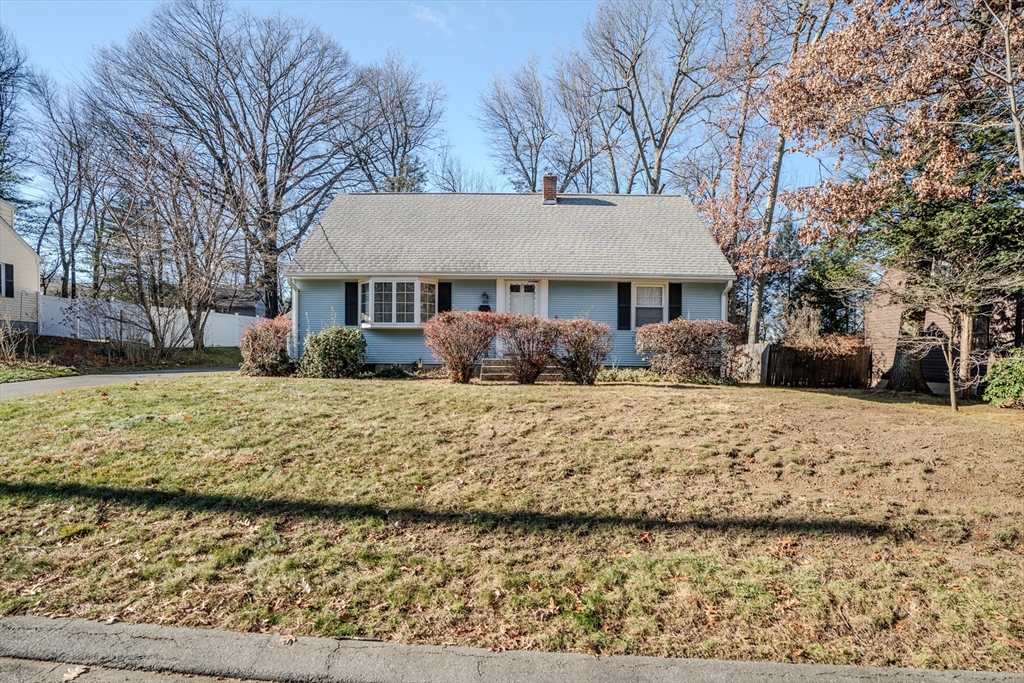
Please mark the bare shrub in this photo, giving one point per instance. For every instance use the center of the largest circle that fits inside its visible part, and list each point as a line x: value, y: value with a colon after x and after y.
x: 459, y: 339
x: 12, y: 337
x: 264, y: 348
x: 528, y: 343
x: 583, y: 345
x: 803, y: 331
x: 688, y: 348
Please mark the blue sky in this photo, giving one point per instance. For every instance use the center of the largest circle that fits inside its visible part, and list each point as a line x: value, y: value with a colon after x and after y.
x: 460, y: 44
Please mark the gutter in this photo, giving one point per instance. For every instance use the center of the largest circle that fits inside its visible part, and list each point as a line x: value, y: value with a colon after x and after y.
x: 506, y: 275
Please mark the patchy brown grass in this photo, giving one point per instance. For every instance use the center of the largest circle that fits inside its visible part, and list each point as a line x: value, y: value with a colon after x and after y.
x: 729, y: 522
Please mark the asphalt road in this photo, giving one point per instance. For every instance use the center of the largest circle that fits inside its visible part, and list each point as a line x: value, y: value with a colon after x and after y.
x: 168, y: 649
x: 31, y: 671
x: 42, y: 386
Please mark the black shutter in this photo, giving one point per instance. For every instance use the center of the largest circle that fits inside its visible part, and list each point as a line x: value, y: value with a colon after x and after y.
x: 625, y: 303
x: 675, y: 300
x: 351, y: 304
x: 444, y: 297
x: 9, y: 280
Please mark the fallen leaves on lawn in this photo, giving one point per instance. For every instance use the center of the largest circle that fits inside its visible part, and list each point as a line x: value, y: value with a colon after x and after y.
x: 74, y: 672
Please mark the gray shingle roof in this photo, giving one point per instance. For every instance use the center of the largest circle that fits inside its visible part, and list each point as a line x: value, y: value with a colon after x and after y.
x: 511, y: 234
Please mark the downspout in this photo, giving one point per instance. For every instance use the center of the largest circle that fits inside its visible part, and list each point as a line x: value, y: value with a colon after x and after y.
x: 725, y: 300
x: 295, y: 318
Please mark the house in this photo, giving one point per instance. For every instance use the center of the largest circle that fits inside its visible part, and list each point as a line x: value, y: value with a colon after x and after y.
x: 388, y: 262
x: 997, y: 328
x: 19, y: 275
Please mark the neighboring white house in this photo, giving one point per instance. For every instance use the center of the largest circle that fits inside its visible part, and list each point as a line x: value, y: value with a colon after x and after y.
x: 19, y: 274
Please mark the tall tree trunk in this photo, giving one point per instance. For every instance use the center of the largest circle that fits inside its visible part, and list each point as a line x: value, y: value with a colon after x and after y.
x: 906, y: 373
x: 966, y: 347
x: 757, y: 298
x: 951, y: 369
x: 271, y: 296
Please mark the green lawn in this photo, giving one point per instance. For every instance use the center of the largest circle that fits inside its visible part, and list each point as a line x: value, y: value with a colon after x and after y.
x: 731, y: 522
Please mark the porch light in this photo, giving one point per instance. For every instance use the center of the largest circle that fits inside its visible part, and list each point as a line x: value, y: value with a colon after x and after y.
x: 485, y: 298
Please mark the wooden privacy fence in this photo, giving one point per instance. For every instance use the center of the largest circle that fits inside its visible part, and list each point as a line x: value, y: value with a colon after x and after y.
x: 790, y: 366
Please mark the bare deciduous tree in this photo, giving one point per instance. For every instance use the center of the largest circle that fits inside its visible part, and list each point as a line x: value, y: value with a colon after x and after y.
x: 396, y: 121
x: 516, y: 116
x: 15, y: 79
x: 450, y: 173
x: 65, y: 158
x: 656, y: 59
x: 264, y: 100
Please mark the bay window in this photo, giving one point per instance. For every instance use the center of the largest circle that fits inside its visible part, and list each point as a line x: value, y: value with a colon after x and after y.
x: 406, y: 302
x: 428, y: 300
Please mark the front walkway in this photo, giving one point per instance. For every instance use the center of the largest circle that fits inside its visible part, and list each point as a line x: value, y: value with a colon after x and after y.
x: 41, y: 386
x: 169, y: 649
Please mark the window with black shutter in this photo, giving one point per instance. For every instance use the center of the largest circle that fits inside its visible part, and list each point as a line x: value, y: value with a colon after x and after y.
x: 351, y: 304
x: 9, y: 280
x: 625, y: 305
x: 675, y: 300
x: 444, y: 296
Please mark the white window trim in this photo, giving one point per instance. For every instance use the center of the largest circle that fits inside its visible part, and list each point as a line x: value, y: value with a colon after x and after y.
x: 417, y: 281
x: 648, y: 283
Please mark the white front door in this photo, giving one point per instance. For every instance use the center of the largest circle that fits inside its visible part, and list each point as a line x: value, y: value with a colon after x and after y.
x: 522, y: 298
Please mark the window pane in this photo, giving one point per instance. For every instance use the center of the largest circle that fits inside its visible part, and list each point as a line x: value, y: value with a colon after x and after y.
x: 382, y: 302
x: 405, y: 302
x: 529, y: 289
x: 513, y: 288
x: 646, y: 316
x: 649, y: 297
x: 364, y: 302
x: 428, y: 301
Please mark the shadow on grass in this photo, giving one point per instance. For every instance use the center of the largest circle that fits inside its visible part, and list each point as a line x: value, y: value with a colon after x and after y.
x: 525, y: 521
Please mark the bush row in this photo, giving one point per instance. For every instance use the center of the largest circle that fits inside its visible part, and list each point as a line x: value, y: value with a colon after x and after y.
x: 331, y: 353
x: 460, y: 340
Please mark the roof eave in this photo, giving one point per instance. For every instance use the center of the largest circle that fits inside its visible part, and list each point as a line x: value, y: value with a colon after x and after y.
x: 538, y: 276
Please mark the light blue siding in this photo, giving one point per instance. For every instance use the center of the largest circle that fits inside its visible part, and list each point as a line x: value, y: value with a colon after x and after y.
x: 599, y: 301
x: 702, y: 300
x: 396, y: 346
x: 466, y: 294
x: 319, y: 300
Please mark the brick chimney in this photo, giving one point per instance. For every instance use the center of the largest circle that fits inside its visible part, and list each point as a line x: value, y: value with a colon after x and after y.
x: 550, y: 188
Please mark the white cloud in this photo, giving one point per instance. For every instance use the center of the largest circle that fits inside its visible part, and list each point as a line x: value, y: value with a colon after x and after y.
x: 431, y: 17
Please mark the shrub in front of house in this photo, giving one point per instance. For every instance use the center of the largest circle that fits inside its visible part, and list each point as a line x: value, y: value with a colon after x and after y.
x: 1005, y: 381
x: 688, y: 348
x: 333, y: 352
x: 459, y: 339
x: 528, y: 342
x: 264, y: 348
x: 582, y: 348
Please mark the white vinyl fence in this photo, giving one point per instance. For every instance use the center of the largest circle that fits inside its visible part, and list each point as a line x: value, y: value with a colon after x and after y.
x: 100, y: 319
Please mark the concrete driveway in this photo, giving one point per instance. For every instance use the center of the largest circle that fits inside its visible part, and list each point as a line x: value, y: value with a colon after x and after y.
x: 42, y: 386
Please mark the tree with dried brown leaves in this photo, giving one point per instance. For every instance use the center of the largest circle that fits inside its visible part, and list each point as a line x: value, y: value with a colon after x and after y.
x: 893, y: 90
